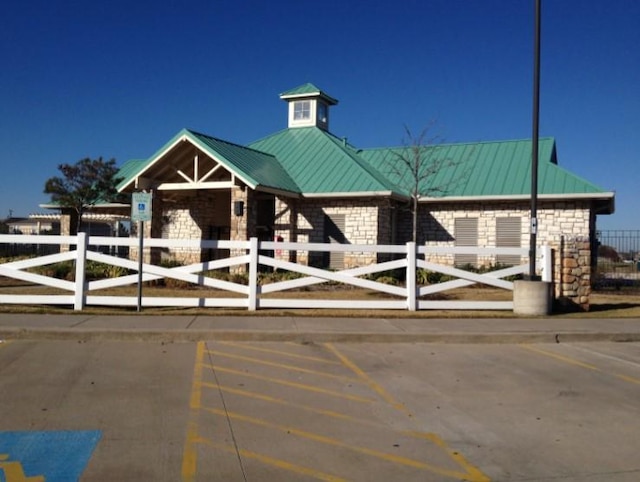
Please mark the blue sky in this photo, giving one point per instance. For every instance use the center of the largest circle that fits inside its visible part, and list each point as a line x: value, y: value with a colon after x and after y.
x: 118, y: 79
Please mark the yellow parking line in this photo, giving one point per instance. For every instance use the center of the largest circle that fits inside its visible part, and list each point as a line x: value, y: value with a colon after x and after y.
x: 629, y: 379
x: 473, y: 474
x: 572, y: 361
x: 372, y: 384
x: 282, y: 464
x: 283, y: 366
x: 278, y: 352
x: 562, y: 358
x: 189, y: 455
x: 318, y: 411
x: 396, y: 459
x: 300, y: 386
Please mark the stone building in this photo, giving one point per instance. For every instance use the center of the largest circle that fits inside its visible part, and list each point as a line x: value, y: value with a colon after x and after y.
x: 306, y: 184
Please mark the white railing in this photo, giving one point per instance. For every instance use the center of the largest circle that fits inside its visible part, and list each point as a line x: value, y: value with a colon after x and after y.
x: 80, y: 292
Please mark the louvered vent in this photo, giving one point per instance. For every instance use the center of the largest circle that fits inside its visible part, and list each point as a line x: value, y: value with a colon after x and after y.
x: 466, y: 234
x: 334, y: 227
x: 508, y: 235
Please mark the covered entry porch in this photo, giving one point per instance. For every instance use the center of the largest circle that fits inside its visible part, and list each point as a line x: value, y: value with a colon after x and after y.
x: 207, y: 189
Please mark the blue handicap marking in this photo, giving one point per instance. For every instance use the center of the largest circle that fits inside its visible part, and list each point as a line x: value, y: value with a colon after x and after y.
x: 56, y: 456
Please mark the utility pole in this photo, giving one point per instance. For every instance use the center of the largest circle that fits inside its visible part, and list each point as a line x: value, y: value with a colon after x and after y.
x: 534, y: 144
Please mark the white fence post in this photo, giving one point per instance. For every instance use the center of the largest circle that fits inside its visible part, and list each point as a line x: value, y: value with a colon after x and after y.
x: 81, y: 261
x: 546, y: 267
x: 253, y: 274
x: 411, y: 276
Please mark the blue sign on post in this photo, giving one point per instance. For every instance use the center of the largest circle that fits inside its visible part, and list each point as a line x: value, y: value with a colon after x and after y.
x: 141, y: 206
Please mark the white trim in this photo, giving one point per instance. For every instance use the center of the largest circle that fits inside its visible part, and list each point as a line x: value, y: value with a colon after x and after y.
x: 298, y: 96
x: 519, y: 197
x: 198, y: 145
x: 157, y: 157
x: 319, y: 195
x: 185, y: 186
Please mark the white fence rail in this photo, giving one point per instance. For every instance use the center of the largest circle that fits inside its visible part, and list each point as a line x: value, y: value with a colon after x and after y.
x: 409, y: 258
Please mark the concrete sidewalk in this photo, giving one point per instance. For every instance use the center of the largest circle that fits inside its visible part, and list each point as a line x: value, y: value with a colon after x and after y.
x: 305, y: 329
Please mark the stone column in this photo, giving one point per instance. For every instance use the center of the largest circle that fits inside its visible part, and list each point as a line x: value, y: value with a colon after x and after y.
x: 68, y: 224
x: 573, y: 273
x: 243, y: 219
x: 285, y: 226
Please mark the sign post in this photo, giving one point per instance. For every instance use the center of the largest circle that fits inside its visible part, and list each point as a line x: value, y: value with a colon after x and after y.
x: 140, y: 212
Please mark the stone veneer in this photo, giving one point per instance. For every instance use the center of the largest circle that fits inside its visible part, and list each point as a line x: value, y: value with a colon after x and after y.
x: 366, y: 222
x: 572, y: 273
x: 560, y: 224
x: 564, y: 225
x: 190, y: 217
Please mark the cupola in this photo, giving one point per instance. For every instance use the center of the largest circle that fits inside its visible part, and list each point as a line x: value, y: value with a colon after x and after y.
x: 308, y: 106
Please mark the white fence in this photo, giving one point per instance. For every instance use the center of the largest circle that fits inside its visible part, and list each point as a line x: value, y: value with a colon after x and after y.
x: 81, y: 292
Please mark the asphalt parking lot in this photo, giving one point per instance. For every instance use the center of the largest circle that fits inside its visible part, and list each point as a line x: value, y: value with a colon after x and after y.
x: 264, y: 411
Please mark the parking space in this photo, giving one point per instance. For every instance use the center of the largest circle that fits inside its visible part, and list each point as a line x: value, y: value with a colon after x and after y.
x: 305, y: 410
x: 265, y: 411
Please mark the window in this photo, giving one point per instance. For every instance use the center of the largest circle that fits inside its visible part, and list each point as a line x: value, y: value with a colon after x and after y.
x: 302, y: 110
x: 466, y: 234
x: 508, y: 235
x: 322, y: 113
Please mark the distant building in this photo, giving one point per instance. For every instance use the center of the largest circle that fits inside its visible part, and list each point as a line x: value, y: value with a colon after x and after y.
x: 93, y: 223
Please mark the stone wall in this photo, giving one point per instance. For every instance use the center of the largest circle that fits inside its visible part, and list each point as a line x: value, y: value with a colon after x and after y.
x: 555, y: 221
x: 572, y: 273
x: 565, y: 226
x: 193, y: 216
x: 365, y: 222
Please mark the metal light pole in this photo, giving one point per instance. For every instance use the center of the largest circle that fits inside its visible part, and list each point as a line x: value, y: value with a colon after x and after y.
x: 534, y: 143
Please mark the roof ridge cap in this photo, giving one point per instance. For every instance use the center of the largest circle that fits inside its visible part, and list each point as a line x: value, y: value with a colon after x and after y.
x: 465, y: 143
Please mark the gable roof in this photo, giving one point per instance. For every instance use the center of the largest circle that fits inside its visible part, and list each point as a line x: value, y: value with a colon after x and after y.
x: 257, y: 169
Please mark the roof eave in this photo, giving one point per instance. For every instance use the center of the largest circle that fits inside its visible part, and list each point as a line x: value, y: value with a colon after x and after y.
x: 605, y: 198
x: 277, y: 192
x: 354, y: 194
x: 180, y: 137
x: 308, y: 95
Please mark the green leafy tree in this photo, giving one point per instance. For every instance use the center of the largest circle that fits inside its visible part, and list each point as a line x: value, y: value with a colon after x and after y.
x: 83, y: 185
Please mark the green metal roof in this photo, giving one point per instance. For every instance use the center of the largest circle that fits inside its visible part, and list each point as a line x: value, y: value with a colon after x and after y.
x: 255, y: 168
x: 321, y: 163
x: 313, y: 162
x: 128, y: 171
x: 308, y: 90
x: 483, y: 169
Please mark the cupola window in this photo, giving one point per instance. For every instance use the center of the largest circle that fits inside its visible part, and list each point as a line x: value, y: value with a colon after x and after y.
x: 308, y: 106
x: 302, y: 110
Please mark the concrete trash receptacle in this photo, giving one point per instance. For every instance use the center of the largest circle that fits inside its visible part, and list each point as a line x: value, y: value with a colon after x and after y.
x: 532, y: 298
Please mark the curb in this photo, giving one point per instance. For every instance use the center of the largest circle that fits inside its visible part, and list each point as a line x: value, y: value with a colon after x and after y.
x: 170, y: 336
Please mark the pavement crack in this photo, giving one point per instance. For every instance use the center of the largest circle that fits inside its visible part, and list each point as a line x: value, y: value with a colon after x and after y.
x: 227, y: 417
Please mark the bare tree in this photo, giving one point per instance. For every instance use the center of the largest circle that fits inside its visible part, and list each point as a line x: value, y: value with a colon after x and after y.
x: 83, y: 185
x: 416, y: 165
